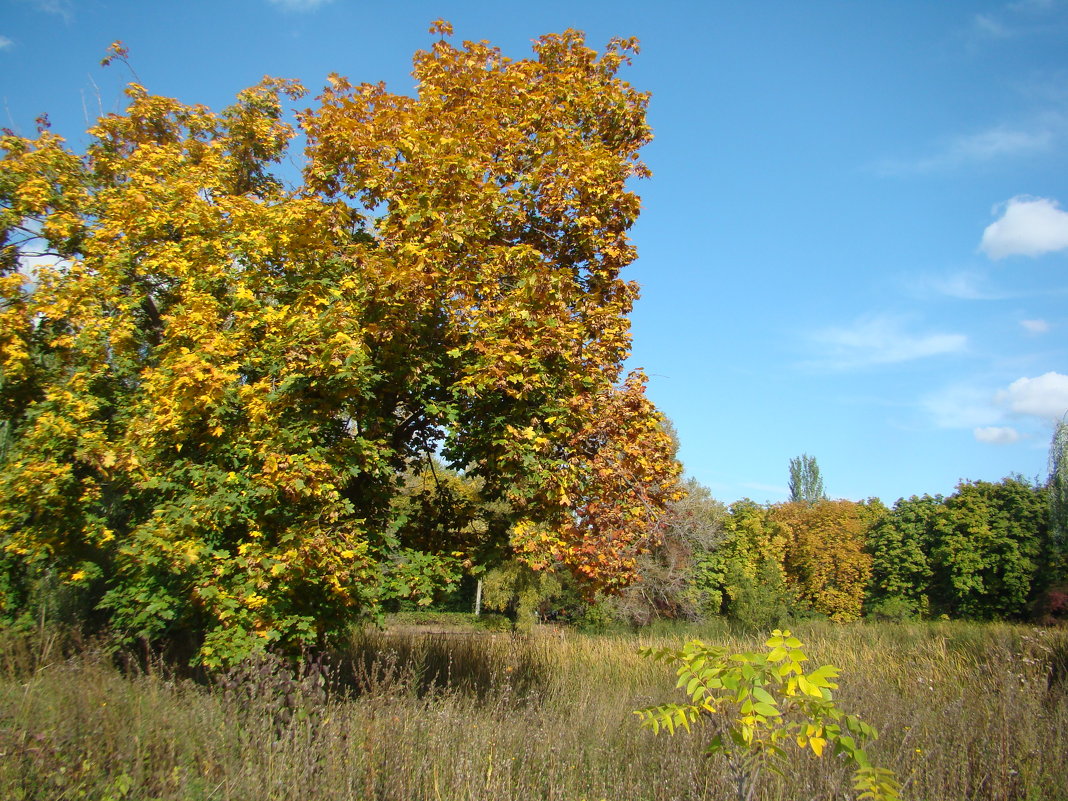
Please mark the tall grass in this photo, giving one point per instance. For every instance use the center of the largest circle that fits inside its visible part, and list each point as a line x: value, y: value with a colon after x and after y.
x: 965, y: 712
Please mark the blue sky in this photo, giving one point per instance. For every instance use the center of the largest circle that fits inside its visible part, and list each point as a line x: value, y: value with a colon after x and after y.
x: 854, y: 244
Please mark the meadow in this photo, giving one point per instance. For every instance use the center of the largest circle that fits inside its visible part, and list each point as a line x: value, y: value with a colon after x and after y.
x: 965, y: 711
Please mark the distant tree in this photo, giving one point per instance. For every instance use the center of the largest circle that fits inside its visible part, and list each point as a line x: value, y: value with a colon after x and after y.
x: 1052, y: 603
x: 752, y: 546
x: 438, y: 504
x: 806, y: 484
x: 678, y: 578
x: 760, y: 601
x: 899, y: 543
x: 824, y: 561
x: 988, y: 550
x: 530, y: 596
x: 1058, y: 486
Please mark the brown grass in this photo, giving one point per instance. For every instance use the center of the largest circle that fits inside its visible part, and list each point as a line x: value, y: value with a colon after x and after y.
x: 965, y: 712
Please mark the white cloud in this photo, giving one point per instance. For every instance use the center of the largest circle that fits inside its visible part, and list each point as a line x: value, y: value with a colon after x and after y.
x: 997, y: 435
x: 1020, y: 411
x: 1036, y: 326
x: 1029, y: 226
x: 881, y: 339
x: 32, y: 267
x: 5, y: 43
x: 1045, y: 396
x: 299, y: 5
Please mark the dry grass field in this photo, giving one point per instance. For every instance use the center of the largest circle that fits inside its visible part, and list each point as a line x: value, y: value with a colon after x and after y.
x: 965, y: 711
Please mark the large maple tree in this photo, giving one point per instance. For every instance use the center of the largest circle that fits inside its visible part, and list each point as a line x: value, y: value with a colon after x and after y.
x: 212, y: 389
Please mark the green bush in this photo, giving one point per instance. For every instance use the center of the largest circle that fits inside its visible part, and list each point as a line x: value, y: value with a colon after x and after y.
x: 761, y: 602
x: 894, y: 608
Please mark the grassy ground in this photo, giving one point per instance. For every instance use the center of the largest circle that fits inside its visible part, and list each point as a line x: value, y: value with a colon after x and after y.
x: 965, y: 712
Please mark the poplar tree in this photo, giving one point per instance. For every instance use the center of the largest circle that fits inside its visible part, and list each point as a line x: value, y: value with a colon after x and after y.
x: 806, y: 484
x: 1058, y: 486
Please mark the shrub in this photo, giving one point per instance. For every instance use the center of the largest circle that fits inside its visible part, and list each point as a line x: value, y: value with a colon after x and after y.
x: 760, y: 705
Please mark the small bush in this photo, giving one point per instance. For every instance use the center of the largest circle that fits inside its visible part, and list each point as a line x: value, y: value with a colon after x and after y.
x: 893, y: 609
x: 761, y: 602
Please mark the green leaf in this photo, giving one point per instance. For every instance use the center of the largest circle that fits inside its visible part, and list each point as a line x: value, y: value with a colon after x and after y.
x: 763, y: 695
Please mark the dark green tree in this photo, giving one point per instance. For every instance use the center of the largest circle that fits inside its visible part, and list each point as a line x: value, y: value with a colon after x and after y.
x: 988, y: 549
x: 899, y: 543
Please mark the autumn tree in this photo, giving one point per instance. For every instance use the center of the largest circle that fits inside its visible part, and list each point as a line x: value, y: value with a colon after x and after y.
x: 824, y: 559
x: 806, y: 484
x: 211, y: 396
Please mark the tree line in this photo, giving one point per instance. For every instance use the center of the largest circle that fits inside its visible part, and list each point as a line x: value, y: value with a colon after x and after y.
x: 988, y: 551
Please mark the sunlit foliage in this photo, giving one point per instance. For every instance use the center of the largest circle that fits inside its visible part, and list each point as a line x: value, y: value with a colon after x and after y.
x: 212, y: 390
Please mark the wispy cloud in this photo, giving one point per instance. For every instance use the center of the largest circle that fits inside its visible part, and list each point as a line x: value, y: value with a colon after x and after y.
x: 961, y: 285
x: 1035, y: 326
x: 1022, y: 18
x: 990, y: 26
x: 299, y: 5
x: 880, y: 339
x: 1033, y: 5
x: 61, y: 8
x: 961, y: 406
x: 1028, y: 226
x: 996, y: 142
x: 997, y: 435
x: 1001, y: 141
x: 5, y: 43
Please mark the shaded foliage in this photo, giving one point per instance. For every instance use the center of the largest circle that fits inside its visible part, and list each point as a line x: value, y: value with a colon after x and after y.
x: 1058, y: 486
x: 676, y: 580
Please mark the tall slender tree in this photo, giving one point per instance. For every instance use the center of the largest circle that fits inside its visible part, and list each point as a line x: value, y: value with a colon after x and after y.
x: 1058, y: 485
x: 806, y: 484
